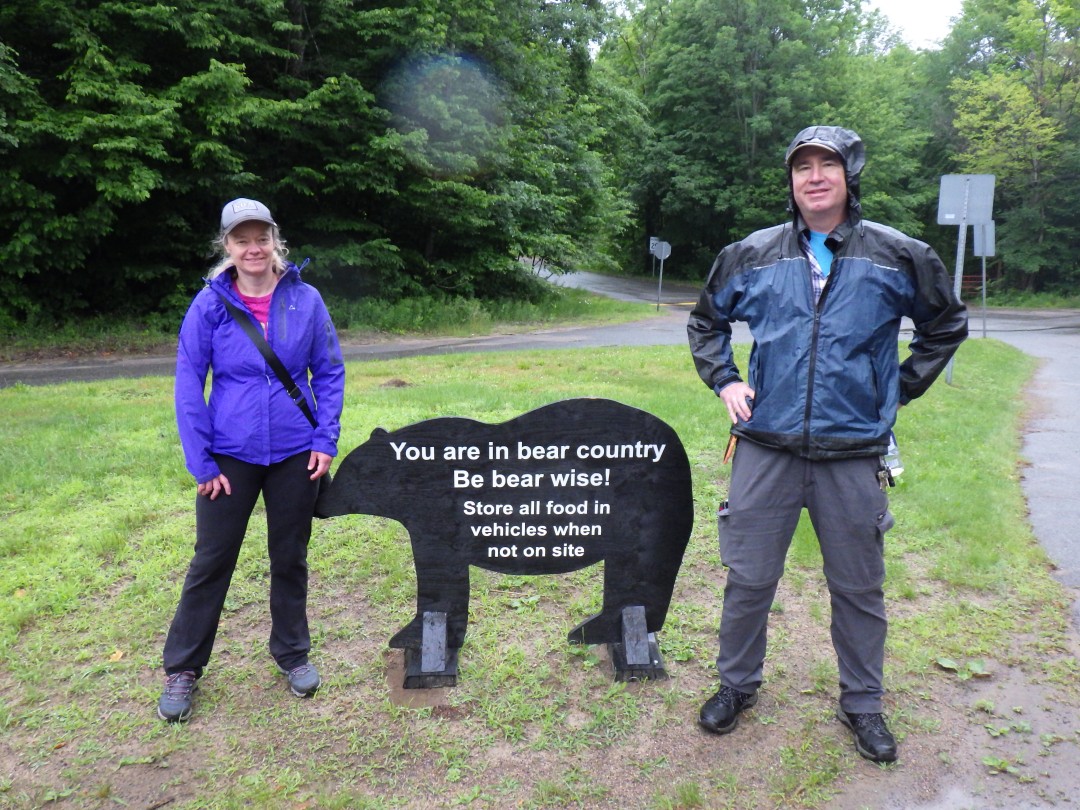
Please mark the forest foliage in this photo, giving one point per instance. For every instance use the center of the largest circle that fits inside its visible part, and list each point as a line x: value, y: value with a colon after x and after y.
x: 427, y: 147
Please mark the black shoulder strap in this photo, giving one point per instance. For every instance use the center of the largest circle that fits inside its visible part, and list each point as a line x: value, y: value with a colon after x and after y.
x: 253, y: 332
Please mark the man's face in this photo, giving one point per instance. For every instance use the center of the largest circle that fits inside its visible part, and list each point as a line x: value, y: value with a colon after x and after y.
x: 820, y: 187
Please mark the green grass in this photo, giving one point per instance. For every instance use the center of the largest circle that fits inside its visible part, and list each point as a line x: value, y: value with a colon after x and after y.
x: 96, y: 529
x: 470, y: 316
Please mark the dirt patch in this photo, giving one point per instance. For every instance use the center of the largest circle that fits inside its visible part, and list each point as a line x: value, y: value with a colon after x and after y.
x: 1009, y: 741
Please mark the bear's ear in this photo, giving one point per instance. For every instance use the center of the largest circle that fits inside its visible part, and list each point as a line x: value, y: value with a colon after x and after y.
x: 379, y: 432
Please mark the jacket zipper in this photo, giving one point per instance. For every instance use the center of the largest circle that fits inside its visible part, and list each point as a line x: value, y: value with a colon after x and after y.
x: 815, y: 334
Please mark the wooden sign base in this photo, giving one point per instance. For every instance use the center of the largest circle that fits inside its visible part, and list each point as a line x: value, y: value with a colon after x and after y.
x: 434, y: 665
x: 637, y: 657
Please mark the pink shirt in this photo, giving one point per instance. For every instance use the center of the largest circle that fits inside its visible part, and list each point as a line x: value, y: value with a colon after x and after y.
x: 259, y: 305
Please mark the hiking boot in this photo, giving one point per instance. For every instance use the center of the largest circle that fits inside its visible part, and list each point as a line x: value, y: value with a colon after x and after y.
x: 174, y: 705
x: 304, y: 680
x: 720, y: 714
x: 872, y: 738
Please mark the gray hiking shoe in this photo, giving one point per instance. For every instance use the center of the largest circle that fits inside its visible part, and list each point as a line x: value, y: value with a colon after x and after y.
x: 174, y: 705
x: 304, y: 680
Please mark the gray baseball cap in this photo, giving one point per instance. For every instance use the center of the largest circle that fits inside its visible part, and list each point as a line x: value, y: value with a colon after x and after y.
x: 244, y: 210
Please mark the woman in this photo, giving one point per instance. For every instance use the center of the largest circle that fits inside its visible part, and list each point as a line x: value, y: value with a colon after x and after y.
x: 251, y: 437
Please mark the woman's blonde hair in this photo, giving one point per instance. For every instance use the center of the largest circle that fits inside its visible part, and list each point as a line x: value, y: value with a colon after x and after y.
x: 224, y: 263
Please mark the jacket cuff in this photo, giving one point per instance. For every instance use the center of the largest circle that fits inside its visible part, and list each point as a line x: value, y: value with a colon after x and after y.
x: 209, y: 475
x: 319, y: 445
x: 720, y: 386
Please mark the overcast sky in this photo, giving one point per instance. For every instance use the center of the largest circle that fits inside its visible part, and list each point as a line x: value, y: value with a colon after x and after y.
x: 923, y: 23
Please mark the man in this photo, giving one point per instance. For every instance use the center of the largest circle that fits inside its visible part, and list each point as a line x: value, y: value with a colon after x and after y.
x: 823, y: 296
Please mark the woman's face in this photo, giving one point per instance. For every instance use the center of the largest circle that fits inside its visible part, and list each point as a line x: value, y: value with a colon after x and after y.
x: 250, y: 246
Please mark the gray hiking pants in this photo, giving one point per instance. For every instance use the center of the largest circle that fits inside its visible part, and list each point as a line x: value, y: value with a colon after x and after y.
x: 850, y: 514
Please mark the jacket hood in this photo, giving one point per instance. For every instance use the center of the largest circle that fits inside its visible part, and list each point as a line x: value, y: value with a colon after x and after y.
x: 845, y: 143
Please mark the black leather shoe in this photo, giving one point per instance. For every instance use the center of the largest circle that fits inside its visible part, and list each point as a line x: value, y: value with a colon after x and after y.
x: 872, y: 738
x: 720, y: 714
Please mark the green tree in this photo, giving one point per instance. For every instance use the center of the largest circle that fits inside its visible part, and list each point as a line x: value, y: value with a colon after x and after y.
x: 883, y: 104
x: 407, y: 146
x: 135, y: 121
x: 1008, y: 136
x: 727, y: 84
x: 1016, y: 116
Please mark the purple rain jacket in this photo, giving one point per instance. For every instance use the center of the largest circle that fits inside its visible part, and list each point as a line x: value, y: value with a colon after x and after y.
x: 250, y: 416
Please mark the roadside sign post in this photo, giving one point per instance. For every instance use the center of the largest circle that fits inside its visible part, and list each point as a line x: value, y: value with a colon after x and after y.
x: 964, y: 199
x: 661, y: 251
x: 984, y: 246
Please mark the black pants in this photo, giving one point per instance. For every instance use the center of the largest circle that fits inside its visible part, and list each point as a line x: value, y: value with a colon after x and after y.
x: 220, y: 526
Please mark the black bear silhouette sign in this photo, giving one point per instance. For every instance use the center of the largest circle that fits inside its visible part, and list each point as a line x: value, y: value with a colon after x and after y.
x: 554, y: 490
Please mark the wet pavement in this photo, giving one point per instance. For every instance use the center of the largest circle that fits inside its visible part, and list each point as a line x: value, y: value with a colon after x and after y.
x: 1051, y: 442
x: 668, y: 327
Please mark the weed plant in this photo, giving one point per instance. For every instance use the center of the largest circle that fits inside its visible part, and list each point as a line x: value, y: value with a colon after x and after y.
x: 448, y: 315
x: 97, y: 530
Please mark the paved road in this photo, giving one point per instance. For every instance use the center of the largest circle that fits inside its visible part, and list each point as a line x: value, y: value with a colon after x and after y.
x: 668, y: 327
x: 1051, y: 445
x: 1052, y: 440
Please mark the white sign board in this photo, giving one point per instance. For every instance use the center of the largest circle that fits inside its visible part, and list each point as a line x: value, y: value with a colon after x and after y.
x: 984, y: 239
x: 966, y: 198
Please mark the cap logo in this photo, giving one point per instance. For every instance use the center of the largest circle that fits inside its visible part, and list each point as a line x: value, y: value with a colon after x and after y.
x: 239, y: 206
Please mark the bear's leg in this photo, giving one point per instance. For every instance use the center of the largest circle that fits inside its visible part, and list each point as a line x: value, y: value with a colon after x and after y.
x: 629, y: 580
x: 442, y: 588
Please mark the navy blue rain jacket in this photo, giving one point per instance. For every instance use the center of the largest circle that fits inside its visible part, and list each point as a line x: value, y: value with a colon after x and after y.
x: 826, y: 375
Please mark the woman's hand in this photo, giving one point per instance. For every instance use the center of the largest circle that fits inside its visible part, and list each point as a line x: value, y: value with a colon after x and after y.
x: 215, y: 486
x: 320, y: 463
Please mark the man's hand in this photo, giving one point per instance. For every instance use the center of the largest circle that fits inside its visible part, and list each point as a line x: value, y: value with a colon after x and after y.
x: 735, y: 396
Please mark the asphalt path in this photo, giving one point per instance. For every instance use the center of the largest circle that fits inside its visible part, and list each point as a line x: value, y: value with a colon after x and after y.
x: 1051, y: 445
x: 668, y: 327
